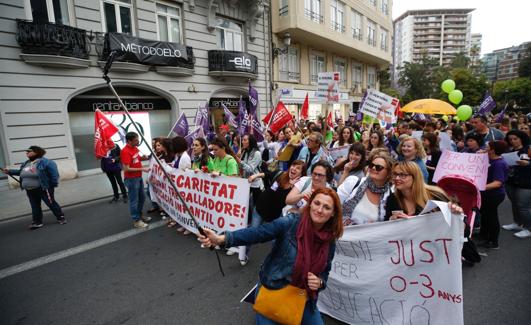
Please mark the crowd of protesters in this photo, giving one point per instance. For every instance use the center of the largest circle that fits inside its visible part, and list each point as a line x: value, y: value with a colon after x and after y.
x: 295, y: 184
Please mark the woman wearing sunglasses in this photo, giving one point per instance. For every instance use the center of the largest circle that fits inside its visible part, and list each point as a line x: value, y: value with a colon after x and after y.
x: 411, y: 193
x: 363, y: 199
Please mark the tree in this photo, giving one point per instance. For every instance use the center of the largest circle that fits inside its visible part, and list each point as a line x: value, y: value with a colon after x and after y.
x: 384, y: 78
x: 472, y: 86
x: 460, y: 60
x: 417, y: 79
x: 517, y: 93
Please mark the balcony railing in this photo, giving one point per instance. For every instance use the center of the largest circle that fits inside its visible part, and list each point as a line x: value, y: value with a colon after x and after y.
x: 52, y: 39
x: 283, y: 11
x: 337, y: 27
x: 313, y: 16
x: 357, y: 34
x: 371, y: 41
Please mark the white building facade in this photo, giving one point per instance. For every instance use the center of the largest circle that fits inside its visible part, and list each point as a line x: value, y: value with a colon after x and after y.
x: 52, y: 54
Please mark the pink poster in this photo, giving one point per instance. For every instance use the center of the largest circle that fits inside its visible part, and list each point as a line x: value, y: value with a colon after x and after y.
x: 472, y: 165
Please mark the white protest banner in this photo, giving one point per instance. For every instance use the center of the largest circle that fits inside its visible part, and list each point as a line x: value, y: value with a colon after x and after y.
x: 328, y: 86
x: 398, y: 272
x: 472, y: 165
x: 380, y: 106
x: 340, y: 152
x: 219, y: 203
x: 445, y: 142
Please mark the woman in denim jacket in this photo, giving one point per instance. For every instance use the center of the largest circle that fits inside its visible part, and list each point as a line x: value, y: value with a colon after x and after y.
x: 303, y: 249
x: 39, y: 177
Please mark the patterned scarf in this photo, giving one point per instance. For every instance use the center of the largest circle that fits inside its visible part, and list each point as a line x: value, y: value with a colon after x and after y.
x: 350, y: 204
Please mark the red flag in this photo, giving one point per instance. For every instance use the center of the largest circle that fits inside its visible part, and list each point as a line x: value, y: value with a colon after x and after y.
x: 103, y: 132
x: 304, y: 109
x: 398, y: 110
x: 281, y: 118
x: 329, y: 121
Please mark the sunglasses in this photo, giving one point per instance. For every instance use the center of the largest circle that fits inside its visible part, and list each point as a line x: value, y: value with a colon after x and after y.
x: 376, y: 167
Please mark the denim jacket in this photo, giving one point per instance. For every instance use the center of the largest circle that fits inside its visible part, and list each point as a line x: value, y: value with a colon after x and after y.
x: 46, y: 170
x: 276, y: 271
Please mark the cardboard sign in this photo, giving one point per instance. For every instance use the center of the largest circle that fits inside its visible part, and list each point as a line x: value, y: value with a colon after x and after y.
x: 218, y: 203
x: 398, y: 272
x: 471, y: 165
x: 328, y: 86
x: 380, y: 106
x: 341, y: 152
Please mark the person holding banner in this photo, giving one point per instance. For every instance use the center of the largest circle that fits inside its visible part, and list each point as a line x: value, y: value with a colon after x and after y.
x: 411, y: 193
x: 250, y: 165
x: 353, y: 165
x: 224, y: 162
x: 518, y: 185
x: 201, y: 159
x: 182, y: 160
x: 474, y: 143
x: 493, y: 195
x: 364, y: 199
x: 39, y: 177
x: 297, y: 267
x: 410, y: 149
x: 321, y: 177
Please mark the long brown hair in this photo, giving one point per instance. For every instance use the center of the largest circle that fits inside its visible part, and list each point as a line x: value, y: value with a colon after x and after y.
x: 420, y: 191
x: 335, y: 223
x: 283, y: 179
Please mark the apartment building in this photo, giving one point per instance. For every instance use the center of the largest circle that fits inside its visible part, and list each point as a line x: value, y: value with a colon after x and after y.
x: 438, y: 33
x: 313, y: 36
x: 52, y: 54
x: 503, y: 64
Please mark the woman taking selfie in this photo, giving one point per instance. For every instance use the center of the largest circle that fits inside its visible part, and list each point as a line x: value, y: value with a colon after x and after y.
x: 299, y: 262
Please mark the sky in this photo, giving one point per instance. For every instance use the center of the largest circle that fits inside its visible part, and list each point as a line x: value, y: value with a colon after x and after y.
x: 501, y: 23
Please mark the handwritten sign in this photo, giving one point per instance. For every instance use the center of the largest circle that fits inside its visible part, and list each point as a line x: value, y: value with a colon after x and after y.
x: 340, y: 152
x: 219, y: 203
x: 380, y: 106
x: 472, y: 165
x: 328, y: 86
x: 397, y: 272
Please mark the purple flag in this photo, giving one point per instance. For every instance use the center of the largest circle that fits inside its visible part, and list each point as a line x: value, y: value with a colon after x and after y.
x: 257, y: 130
x: 230, y: 118
x: 419, y: 117
x: 243, y: 118
x: 253, y: 99
x: 487, y: 105
x: 181, y: 126
x: 197, y: 133
x: 359, y: 115
x: 500, y: 116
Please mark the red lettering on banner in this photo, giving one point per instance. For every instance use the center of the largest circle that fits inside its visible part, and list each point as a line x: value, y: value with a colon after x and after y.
x: 421, y: 246
x: 221, y: 222
x: 444, y: 240
x: 449, y: 297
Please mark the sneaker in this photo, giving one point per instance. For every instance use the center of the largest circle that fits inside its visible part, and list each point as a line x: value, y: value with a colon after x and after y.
x: 513, y: 227
x: 230, y: 252
x: 181, y: 229
x: 140, y: 224
x: 62, y: 221
x: 34, y: 226
x: 187, y: 232
x: 114, y: 199
x: 145, y: 219
x: 523, y: 234
x: 245, y: 261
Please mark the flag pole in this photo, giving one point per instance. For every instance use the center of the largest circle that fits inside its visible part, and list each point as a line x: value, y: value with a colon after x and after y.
x: 107, y: 79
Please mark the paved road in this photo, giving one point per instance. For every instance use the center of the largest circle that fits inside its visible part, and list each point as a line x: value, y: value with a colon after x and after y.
x: 160, y: 277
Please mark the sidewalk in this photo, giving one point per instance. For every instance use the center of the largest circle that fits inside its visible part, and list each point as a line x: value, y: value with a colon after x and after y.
x: 15, y: 203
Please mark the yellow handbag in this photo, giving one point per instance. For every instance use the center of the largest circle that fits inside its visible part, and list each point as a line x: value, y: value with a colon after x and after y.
x: 284, y: 306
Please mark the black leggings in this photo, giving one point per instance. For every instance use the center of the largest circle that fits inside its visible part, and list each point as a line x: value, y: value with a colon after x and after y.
x: 490, y: 224
x: 116, y: 177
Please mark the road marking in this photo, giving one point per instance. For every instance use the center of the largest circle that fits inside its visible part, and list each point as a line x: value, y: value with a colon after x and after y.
x: 12, y: 270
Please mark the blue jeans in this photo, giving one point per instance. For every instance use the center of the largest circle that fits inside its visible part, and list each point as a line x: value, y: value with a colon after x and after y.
x: 309, y: 317
x: 47, y: 196
x: 135, y: 188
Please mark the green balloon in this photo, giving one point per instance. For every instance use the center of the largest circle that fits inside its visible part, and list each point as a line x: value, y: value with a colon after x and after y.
x: 455, y: 96
x: 445, y: 118
x: 464, y: 112
x: 448, y: 85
